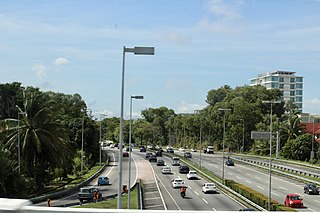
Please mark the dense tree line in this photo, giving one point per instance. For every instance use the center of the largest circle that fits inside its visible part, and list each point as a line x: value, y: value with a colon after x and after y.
x: 50, y: 127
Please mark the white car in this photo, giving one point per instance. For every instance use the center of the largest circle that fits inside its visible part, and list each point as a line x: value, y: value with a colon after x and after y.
x: 178, y: 183
x: 192, y: 175
x: 166, y: 170
x: 209, y: 187
x: 182, y: 149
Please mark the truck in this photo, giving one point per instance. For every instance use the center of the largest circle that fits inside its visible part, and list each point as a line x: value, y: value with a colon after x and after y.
x: 210, y: 150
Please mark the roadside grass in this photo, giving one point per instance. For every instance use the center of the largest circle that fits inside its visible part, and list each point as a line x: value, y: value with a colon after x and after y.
x: 84, y: 177
x: 112, y: 203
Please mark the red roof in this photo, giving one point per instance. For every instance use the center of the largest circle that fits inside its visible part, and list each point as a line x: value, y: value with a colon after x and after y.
x: 312, y: 128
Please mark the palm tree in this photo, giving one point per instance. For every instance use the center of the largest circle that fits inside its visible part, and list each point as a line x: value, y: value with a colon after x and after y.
x: 291, y: 128
x: 44, y: 140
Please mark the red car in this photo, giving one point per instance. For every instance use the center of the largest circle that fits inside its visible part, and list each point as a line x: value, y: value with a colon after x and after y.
x: 293, y: 200
x: 125, y: 154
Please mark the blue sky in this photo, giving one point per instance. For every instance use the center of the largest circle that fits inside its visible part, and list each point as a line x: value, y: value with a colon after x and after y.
x: 75, y: 46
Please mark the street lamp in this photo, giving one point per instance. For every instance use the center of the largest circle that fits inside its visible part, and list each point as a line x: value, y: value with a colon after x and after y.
x: 82, y: 130
x: 224, y: 136
x: 270, y: 158
x: 137, y: 51
x: 100, y: 139
x: 130, y: 134
x: 312, y: 142
x: 19, y: 151
x: 242, y: 135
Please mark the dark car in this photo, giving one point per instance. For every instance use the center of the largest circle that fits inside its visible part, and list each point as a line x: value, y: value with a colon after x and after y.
x: 160, y: 162
x: 311, y: 189
x: 148, y: 155
x: 158, y: 153
x: 229, y: 162
x: 184, y: 169
x: 143, y: 149
x: 187, y: 155
x: 153, y: 158
x: 89, y: 193
x: 103, y: 180
x: 170, y: 150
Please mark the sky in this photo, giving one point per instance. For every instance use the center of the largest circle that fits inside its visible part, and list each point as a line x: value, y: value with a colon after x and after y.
x: 76, y: 47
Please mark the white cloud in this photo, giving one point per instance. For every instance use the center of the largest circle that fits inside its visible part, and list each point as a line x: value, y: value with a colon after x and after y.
x: 185, y: 107
x: 223, y: 17
x: 176, y: 38
x: 60, y: 61
x: 312, y: 106
x: 40, y: 70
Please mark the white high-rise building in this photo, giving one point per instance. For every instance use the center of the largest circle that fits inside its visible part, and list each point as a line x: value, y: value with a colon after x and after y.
x: 287, y: 82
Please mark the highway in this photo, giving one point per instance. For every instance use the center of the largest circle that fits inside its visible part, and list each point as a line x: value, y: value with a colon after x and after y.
x: 257, y: 179
x: 111, y: 171
x: 195, y: 198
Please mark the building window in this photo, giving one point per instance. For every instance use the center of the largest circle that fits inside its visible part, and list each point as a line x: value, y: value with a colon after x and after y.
x: 281, y: 79
x: 299, y: 86
x: 292, y: 99
x: 274, y: 78
x: 299, y: 79
x: 298, y: 99
x: 299, y: 105
x: 281, y: 86
x: 274, y: 85
x: 292, y: 93
x: 292, y: 86
x: 298, y: 92
x: 292, y: 80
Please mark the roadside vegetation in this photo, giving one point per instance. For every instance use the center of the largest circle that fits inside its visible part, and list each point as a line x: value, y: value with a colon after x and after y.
x: 50, y: 126
x: 112, y: 203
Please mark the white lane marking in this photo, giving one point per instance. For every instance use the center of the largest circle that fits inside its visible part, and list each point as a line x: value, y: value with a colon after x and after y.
x: 275, y: 194
x: 316, y: 201
x: 311, y: 210
x: 155, y: 178
x: 167, y: 192
x: 205, y: 201
x: 230, y: 173
x: 260, y: 187
x: 196, y: 192
x: 189, y: 187
x: 248, y: 182
x: 283, y: 188
x: 258, y: 178
x: 214, y: 209
x: 247, y: 173
x: 239, y: 177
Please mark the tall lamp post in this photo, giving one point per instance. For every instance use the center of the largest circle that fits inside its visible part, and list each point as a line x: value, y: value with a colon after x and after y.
x: 136, y: 51
x: 242, y: 135
x: 224, y: 138
x: 82, y: 136
x: 312, y: 142
x: 130, y: 136
x: 19, y: 151
x: 100, y: 138
x: 270, y: 157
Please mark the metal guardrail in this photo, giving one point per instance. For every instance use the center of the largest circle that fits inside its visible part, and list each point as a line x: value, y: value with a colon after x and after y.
x: 264, y: 165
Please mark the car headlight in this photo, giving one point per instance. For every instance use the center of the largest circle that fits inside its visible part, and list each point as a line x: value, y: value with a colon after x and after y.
x: 291, y: 202
x: 310, y: 190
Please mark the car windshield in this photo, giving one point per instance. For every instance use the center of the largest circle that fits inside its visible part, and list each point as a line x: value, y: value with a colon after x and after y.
x: 295, y: 198
x: 210, y: 185
x: 193, y: 173
x: 85, y: 190
x: 178, y: 181
x: 311, y: 186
